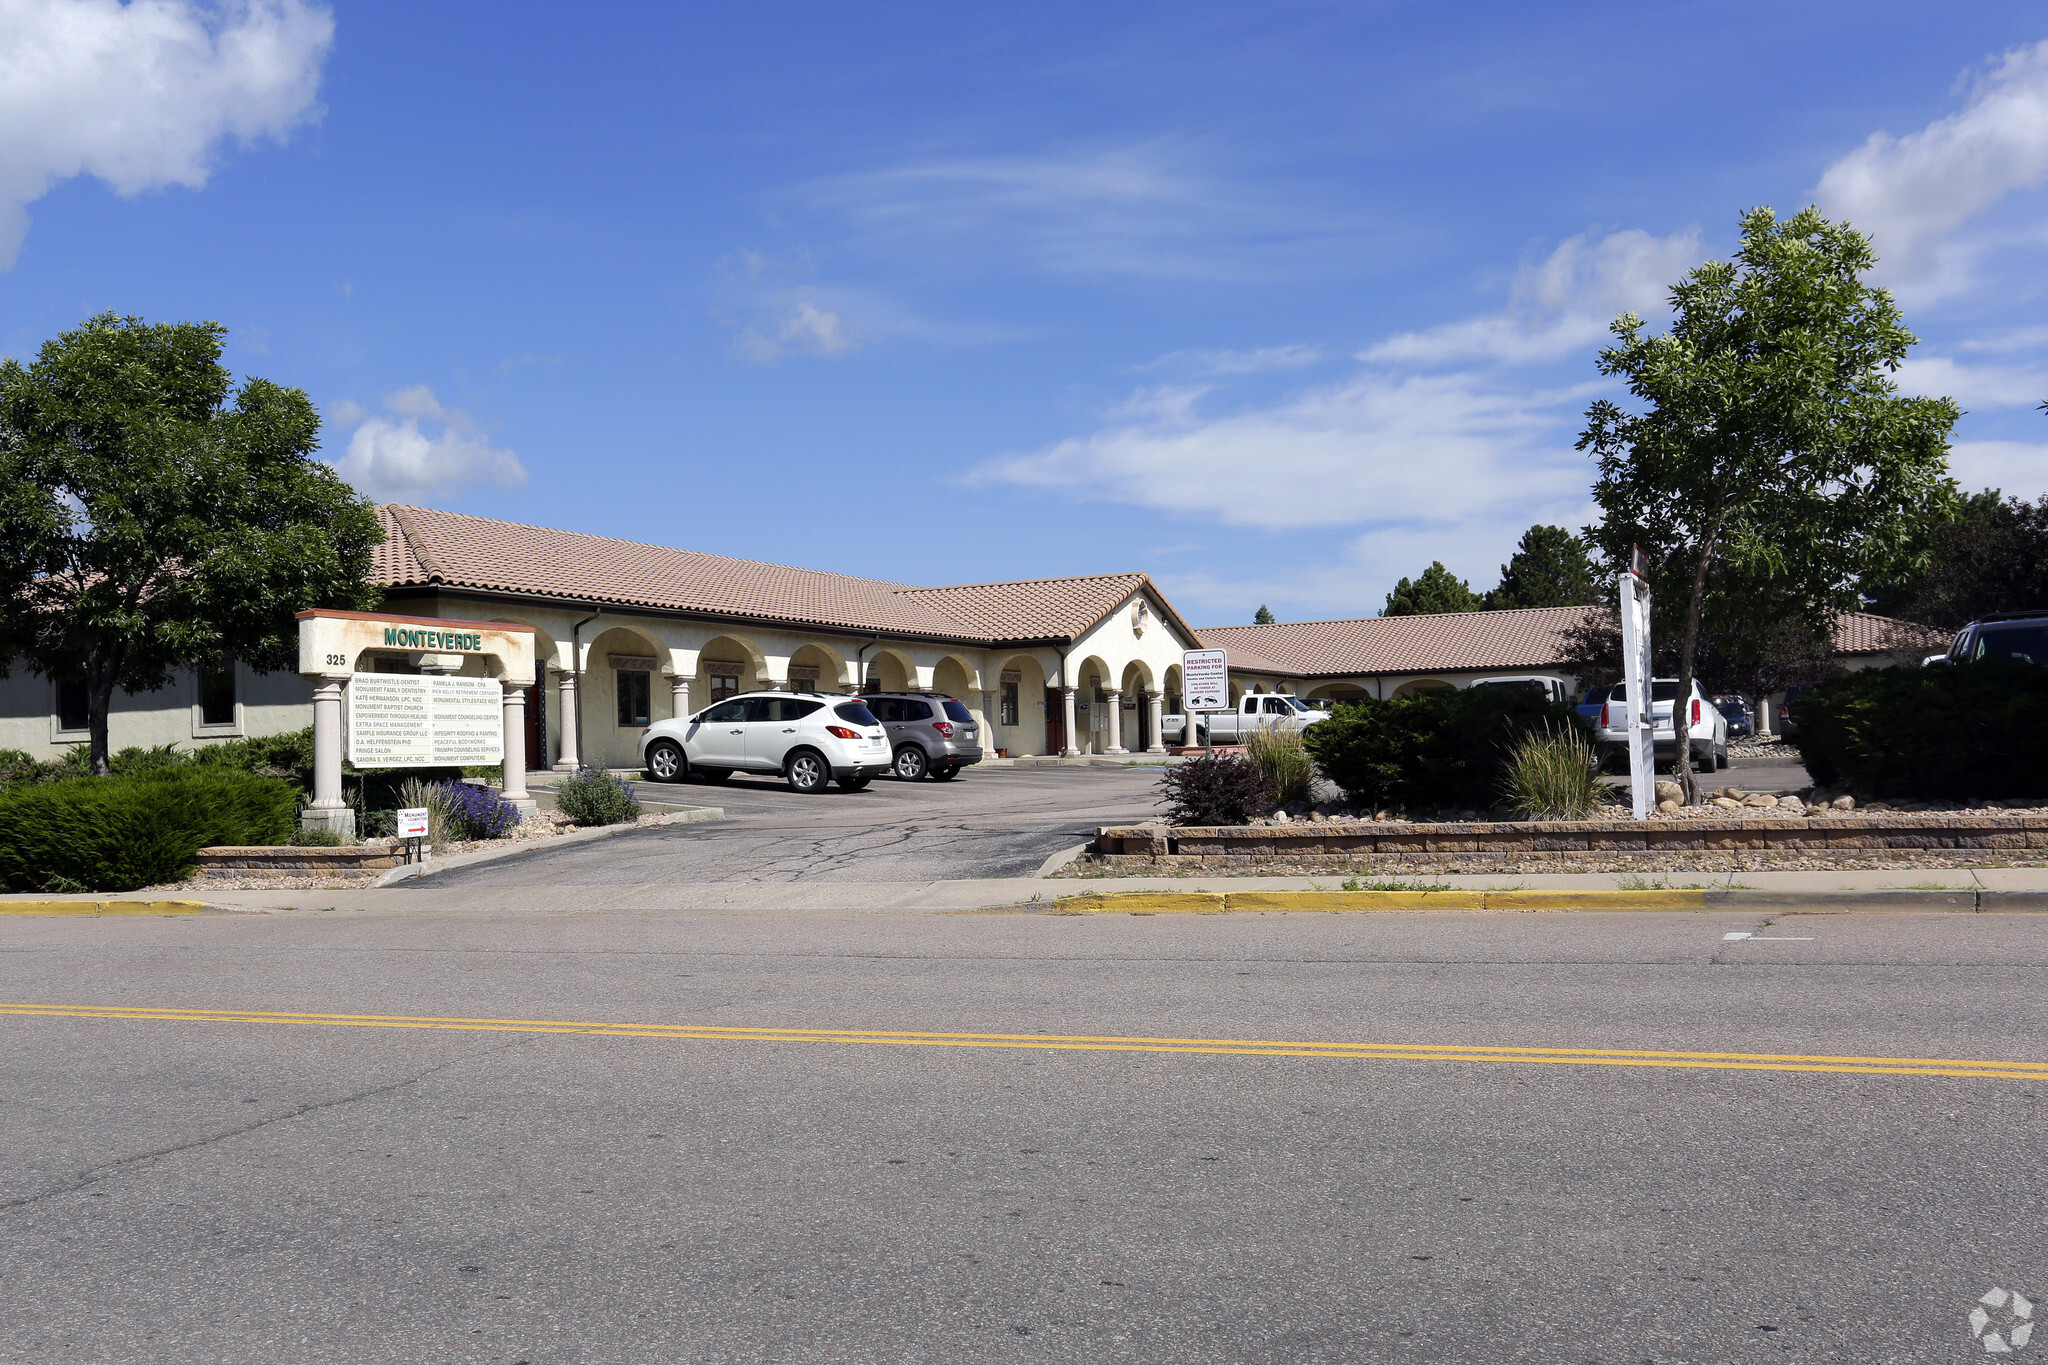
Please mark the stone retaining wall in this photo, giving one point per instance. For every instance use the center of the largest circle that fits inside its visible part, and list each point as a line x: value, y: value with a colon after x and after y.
x: 229, y: 861
x: 1575, y: 840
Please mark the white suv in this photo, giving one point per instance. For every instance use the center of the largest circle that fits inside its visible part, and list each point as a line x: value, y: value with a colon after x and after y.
x: 809, y: 737
x: 1707, y: 727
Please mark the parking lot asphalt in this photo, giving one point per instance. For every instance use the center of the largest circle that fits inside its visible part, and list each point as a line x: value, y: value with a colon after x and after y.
x: 999, y: 822
x: 405, y: 1180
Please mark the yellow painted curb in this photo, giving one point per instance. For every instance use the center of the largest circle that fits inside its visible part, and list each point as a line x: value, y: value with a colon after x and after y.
x: 1217, y: 902
x: 101, y: 907
x: 1144, y: 903
x: 1354, y: 900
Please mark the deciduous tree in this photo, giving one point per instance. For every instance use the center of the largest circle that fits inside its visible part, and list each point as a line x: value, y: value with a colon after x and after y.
x: 1771, y: 458
x: 152, y: 516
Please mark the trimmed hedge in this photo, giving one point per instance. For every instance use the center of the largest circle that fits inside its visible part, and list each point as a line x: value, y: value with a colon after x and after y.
x: 119, y: 833
x: 1434, y: 749
x: 1953, y: 731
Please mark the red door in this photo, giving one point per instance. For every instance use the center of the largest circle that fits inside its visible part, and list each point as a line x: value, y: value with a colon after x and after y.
x: 1055, y: 721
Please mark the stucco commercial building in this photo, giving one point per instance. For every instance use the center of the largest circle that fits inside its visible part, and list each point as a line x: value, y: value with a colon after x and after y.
x: 629, y: 634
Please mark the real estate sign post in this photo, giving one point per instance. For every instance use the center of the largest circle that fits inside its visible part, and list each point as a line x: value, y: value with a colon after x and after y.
x: 1639, y: 705
x: 1204, y: 684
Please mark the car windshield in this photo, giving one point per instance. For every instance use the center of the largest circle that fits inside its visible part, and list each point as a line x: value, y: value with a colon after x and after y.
x: 853, y: 713
x: 957, y: 711
x: 2027, y: 643
x: 1661, y: 689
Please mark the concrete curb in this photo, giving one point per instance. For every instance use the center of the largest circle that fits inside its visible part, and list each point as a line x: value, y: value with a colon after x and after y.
x: 1960, y: 901
x: 523, y: 848
x: 105, y: 907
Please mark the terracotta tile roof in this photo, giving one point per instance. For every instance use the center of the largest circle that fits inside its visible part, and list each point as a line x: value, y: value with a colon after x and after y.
x: 1400, y: 644
x: 426, y: 546
x: 1858, y: 632
x: 1474, y: 639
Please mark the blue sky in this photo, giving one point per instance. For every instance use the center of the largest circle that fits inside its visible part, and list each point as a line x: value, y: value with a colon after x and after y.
x: 1276, y: 303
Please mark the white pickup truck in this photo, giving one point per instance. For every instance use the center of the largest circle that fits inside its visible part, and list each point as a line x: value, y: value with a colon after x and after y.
x: 1255, y: 711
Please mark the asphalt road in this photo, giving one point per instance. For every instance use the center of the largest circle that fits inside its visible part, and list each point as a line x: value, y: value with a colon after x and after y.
x: 1000, y: 822
x: 227, y: 1188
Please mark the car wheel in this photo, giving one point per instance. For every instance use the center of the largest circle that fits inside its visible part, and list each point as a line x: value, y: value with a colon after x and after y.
x: 713, y: 775
x: 854, y: 784
x: 945, y: 774
x: 807, y: 772
x: 911, y: 763
x: 665, y: 761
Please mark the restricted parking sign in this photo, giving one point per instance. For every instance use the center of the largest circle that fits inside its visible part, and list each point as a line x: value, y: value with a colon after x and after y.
x: 1205, y: 679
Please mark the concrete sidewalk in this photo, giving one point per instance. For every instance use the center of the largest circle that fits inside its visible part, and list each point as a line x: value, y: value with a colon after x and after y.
x: 1815, y: 889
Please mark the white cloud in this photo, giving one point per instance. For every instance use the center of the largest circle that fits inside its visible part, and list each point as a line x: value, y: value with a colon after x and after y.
x: 1911, y: 193
x: 1561, y: 304
x: 1974, y: 386
x: 139, y: 94
x: 804, y: 329
x: 392, y: 459
x: 1238, y: 362
x: 1372, y: 449
x: 1146, y: 210
x: 2019, y: 468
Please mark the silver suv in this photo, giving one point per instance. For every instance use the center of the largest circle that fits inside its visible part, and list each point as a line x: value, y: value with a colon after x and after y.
x: 929, y: 734
x: 810, y: 738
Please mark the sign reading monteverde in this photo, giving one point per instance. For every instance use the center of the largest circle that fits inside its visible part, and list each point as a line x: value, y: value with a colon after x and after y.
x: 396, y: 720
x: 437, y: 641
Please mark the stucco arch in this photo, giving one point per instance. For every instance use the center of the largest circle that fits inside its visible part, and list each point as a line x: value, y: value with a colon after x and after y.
x: 543, y: 699
x: 834, y: 669
x: 959, y: 676
x: 1340, y: 692
x: 717, y: 659
x: 1025, y: 732
x: 1415, y: 685
x: 889, y: 670
x: 1137, y: 676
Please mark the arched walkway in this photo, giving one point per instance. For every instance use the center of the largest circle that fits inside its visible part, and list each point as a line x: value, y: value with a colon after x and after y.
x: 1415, y: 685
x: 1026, y: 709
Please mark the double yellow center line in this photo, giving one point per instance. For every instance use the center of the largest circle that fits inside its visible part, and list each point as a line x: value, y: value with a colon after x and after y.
x: 1384, y: 1052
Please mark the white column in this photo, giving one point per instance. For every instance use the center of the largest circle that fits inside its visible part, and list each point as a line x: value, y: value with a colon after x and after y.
x: 988, y: 724
x: 1070, y: 750
x: 328, y: 810
x: 679, y: 690
x: 570, y: 761
x: 1155, y: 708
x: 1114, y: 736
x: 513, y: 788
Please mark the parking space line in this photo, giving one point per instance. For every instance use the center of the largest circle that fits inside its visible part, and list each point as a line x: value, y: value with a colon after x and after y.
x: 1436, y: 1052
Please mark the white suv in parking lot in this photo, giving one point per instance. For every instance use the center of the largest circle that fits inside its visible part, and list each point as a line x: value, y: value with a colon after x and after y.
x: 810, y: 738
x: 1707, y: 727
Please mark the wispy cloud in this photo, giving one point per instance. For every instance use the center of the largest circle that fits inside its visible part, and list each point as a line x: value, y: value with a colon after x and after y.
x: 1975, y: 386
x: 1151, y: 210
x: 1563, y: 303
x: 1913, y: 193
x: 392, y: 456
x: 1237, y: 362
x: 141, y: 94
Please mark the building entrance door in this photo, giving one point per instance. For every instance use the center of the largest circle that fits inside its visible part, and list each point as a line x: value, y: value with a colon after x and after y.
x: 1055, y: 721
x: 537, y: 720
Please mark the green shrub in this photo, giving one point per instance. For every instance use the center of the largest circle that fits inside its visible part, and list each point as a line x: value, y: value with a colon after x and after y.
x: 119, y: 833
x: 317, y: 838
x: 1216, y: 789
x: 1554, y: 775
x: 431, y: 797
x: 1283, y: 759
x: 1433, y: 749
x: 592, y: 796
x: 1952, y: 731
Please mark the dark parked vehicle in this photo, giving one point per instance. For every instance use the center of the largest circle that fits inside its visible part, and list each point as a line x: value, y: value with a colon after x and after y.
x: 1589, y: 705
x: 1741, y: 721
x: 1788, y: 709
x: 2021, y: 635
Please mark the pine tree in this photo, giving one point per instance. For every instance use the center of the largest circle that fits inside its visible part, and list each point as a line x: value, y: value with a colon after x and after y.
x: 1550, y: 568
x: 1436, y: 590
x: 1265, y: 616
